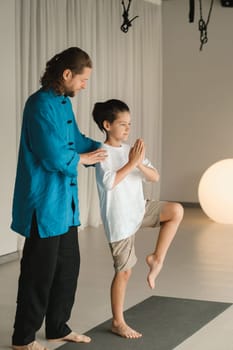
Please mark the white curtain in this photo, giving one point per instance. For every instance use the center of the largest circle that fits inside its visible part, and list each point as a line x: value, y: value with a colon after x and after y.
x: 126, y: 66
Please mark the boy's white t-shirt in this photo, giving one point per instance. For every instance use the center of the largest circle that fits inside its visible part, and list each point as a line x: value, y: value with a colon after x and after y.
x: 122, y: 207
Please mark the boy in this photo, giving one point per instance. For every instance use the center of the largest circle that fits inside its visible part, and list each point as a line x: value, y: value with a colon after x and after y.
x: 123, y: 208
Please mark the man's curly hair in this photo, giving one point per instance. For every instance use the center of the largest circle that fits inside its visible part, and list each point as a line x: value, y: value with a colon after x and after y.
x: 73, y: 58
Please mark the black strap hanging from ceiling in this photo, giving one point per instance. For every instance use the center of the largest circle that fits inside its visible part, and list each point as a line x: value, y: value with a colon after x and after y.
x: 127, y: 22
x: 191, y: 10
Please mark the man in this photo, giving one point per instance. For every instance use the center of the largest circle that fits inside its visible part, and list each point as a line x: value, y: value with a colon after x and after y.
x: 45, y: 206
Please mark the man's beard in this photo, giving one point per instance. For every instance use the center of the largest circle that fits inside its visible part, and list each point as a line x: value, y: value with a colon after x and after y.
x: 69, y: 93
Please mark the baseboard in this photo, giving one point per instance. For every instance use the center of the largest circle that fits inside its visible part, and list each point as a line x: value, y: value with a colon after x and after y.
x: 190, y: 205
x: 9, y: 257
x: 185, y: 204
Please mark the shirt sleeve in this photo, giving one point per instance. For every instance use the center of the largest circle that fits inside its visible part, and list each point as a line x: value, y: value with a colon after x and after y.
x: 83, y: 143
x: 105, y: 176
x: 147, y: 163
x: 49, y: 145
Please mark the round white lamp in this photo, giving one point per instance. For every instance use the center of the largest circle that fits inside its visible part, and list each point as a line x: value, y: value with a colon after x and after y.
x: 215, y: 191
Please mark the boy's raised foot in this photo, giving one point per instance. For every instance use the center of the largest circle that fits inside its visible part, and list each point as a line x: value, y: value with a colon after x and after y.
x: 155, y: 266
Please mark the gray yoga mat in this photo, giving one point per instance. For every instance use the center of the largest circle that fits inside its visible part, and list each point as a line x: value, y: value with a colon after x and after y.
x: 164, y: 322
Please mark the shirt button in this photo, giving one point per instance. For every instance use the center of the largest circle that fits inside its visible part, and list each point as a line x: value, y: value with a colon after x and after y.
x: 69, y: 121
x: 70, y: 143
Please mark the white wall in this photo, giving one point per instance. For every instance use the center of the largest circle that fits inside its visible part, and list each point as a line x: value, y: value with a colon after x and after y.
x: 197, y: 97
x: 8, y: 239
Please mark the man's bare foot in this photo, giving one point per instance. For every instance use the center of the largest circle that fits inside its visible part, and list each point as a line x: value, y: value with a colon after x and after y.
x: 73, y: 337
x: 155, y: 267
x: 125, y: 331
x: 32, y: 346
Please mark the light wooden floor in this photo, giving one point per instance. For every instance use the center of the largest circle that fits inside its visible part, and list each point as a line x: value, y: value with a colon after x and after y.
x: 199, y: 265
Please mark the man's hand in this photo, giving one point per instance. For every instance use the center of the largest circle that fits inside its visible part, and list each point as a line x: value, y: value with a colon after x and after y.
x: 93, y: 157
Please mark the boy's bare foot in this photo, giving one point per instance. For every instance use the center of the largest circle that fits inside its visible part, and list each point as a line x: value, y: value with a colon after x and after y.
x: 125, y: 331
x: 155, y: 267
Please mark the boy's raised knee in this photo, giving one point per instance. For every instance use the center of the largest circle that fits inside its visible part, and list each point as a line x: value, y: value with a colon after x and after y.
x: 178, y: 211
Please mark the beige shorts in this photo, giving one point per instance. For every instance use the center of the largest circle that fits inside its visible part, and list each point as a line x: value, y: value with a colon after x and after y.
x: 123, y: 251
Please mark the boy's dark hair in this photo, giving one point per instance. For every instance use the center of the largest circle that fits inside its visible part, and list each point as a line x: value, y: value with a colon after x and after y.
x: 72, y: 58
x: 108, y: 111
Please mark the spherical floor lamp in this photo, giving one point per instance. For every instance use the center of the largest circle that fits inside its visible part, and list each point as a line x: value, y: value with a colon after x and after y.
x: 215, y: 191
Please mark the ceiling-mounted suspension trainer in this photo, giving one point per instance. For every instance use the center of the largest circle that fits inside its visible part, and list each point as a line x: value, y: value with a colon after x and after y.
x: 127, y: 22
x: 202, y: 24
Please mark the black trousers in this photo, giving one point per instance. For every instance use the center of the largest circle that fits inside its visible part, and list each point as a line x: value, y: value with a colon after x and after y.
x: 47, y: 285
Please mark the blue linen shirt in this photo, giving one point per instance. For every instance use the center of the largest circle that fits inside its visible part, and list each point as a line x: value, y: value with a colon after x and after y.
x: 46, y: 179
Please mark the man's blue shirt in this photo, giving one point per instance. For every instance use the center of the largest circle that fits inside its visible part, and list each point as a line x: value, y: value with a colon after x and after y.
x: 46, y: 179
